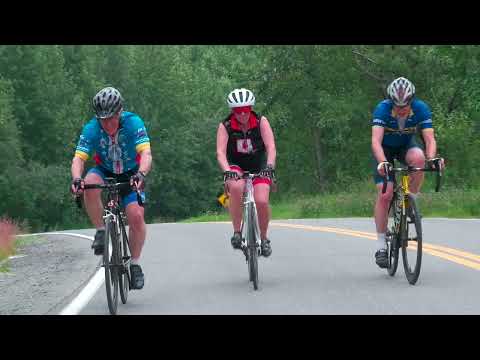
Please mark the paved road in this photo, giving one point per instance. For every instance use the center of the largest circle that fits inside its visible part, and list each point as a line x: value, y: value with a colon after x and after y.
x: 317, y: 267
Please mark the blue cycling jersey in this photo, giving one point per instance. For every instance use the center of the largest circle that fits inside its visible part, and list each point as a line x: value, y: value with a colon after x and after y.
x: 395, y: 134
x: 118, y: 153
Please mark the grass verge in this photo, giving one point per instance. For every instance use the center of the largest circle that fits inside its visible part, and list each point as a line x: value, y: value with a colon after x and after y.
x: 446, y: 203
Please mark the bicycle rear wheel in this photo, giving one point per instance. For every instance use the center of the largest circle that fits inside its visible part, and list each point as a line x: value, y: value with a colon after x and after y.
x: 393, y: 229
x: 412, y: 241
x: 111, y: 270
x: 124, y: 276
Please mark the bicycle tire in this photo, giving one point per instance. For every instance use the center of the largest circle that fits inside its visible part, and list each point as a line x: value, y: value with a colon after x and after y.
x: 124, y: 278
x: 111, y: 273
x: 253, y: 248
x: 392, y: 236
x: 250, y: 242
x: 412, y: 275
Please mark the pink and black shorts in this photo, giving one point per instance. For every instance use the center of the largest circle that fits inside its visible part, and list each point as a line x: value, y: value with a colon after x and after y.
x: 256, y: 181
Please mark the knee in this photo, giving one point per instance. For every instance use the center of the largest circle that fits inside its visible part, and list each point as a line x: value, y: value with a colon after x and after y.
x: 385, y: 198
x: 235, y: 188
x: 92, y: 194
x: 135, y: 218
x: 417, y: 159
x: 261, y: 202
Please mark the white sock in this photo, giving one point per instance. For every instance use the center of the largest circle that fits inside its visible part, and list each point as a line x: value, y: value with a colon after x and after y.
x: 135, y: 261
x: 381, y: 243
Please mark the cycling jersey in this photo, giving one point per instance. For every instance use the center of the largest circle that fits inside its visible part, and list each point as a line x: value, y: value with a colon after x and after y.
x: 399, y: 133
x: 118, y: 153
x: 246, y: 150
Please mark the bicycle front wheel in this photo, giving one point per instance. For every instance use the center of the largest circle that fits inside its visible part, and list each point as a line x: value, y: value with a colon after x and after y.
x: 252, y: 247
x: 124, y: 276
x: 110, y: 253
x: 412, y: 241
x: 393, y: 230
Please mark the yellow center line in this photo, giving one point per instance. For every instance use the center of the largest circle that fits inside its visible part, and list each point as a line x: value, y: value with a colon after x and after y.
x: 454, y: 255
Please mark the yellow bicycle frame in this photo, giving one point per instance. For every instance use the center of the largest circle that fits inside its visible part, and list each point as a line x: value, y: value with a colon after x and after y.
x: 406, y: 191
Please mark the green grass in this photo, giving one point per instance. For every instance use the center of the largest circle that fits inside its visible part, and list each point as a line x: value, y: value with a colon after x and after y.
x: 20, y: 242
x: 4, y: 266
x: 357, y: 203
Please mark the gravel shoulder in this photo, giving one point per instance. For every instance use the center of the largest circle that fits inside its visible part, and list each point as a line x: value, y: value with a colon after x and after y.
x: 48, y: 272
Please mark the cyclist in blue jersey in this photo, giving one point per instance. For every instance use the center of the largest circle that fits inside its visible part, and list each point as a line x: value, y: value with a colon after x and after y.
x: 121, y: 147
x: 395, y: 123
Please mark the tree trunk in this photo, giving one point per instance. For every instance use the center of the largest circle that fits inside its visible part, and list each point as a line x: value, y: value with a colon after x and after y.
x: 319, y: 158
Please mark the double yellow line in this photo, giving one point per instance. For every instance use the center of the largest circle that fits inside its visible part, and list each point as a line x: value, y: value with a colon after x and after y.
x: 457, y: 256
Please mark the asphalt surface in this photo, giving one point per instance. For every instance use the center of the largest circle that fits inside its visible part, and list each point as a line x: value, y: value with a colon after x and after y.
x: 319, y: 267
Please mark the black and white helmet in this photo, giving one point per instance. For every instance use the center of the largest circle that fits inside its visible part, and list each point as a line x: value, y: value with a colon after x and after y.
x: 401, y: 91
x: 240, y: 97
x: 107, y: 102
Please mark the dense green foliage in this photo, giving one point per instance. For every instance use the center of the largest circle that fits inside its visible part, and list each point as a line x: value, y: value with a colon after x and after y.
x: 319, y: 100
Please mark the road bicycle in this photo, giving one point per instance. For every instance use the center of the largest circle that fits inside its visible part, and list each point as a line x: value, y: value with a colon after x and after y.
x: 116, y: 253
x: 404, y: 229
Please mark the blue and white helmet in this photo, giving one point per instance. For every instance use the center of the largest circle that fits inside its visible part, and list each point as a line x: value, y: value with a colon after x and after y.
x: 240, y: 97
x: 401, y: 91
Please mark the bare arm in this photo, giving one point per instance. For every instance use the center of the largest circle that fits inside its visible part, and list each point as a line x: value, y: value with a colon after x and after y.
x: 145, y: 161
x: 268, y: 140
x: 430, y: 143
x: 78, y: 165
x: 222, y: 140
x: 377, y: 138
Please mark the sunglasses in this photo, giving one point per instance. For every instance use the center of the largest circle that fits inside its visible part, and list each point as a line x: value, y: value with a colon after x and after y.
x: 242, y: 109
x: 403, y: 106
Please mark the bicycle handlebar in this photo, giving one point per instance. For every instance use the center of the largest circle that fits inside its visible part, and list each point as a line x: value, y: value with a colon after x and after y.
x: 410, y: 169
x: 109, y: 186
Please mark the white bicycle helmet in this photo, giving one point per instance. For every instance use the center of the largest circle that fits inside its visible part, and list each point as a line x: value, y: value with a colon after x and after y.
x: 401, y: 91
x: 240, y: 97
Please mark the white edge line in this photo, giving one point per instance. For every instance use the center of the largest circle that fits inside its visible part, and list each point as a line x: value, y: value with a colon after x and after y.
x: 59, y: 233
x: 84, y: 297
x: 16, y: 256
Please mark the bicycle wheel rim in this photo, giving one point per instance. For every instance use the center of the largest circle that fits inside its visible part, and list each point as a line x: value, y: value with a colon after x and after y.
x: 392, y: 237
x: 124, y: 278
x: 246, y: 236
x: 111, y: 275
x: 412, y: 244
x: 253, y: 248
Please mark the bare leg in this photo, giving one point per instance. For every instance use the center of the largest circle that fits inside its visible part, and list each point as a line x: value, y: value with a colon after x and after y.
x: 93, y: 201
x: 261, y: 195
x: 235, y: 191
x: 137, y: 228
x: 381, y: 207
x: 415, y: 157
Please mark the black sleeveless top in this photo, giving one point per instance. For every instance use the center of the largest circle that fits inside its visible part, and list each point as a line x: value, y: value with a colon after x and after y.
x: 245, y: 150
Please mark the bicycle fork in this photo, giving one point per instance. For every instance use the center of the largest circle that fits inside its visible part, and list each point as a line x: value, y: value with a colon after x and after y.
x: 109, y: 219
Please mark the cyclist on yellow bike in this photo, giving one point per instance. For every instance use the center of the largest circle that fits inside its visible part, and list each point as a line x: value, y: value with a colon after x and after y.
x: 245, y: 142
x: 395, y: 122
x: 122, y: 150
